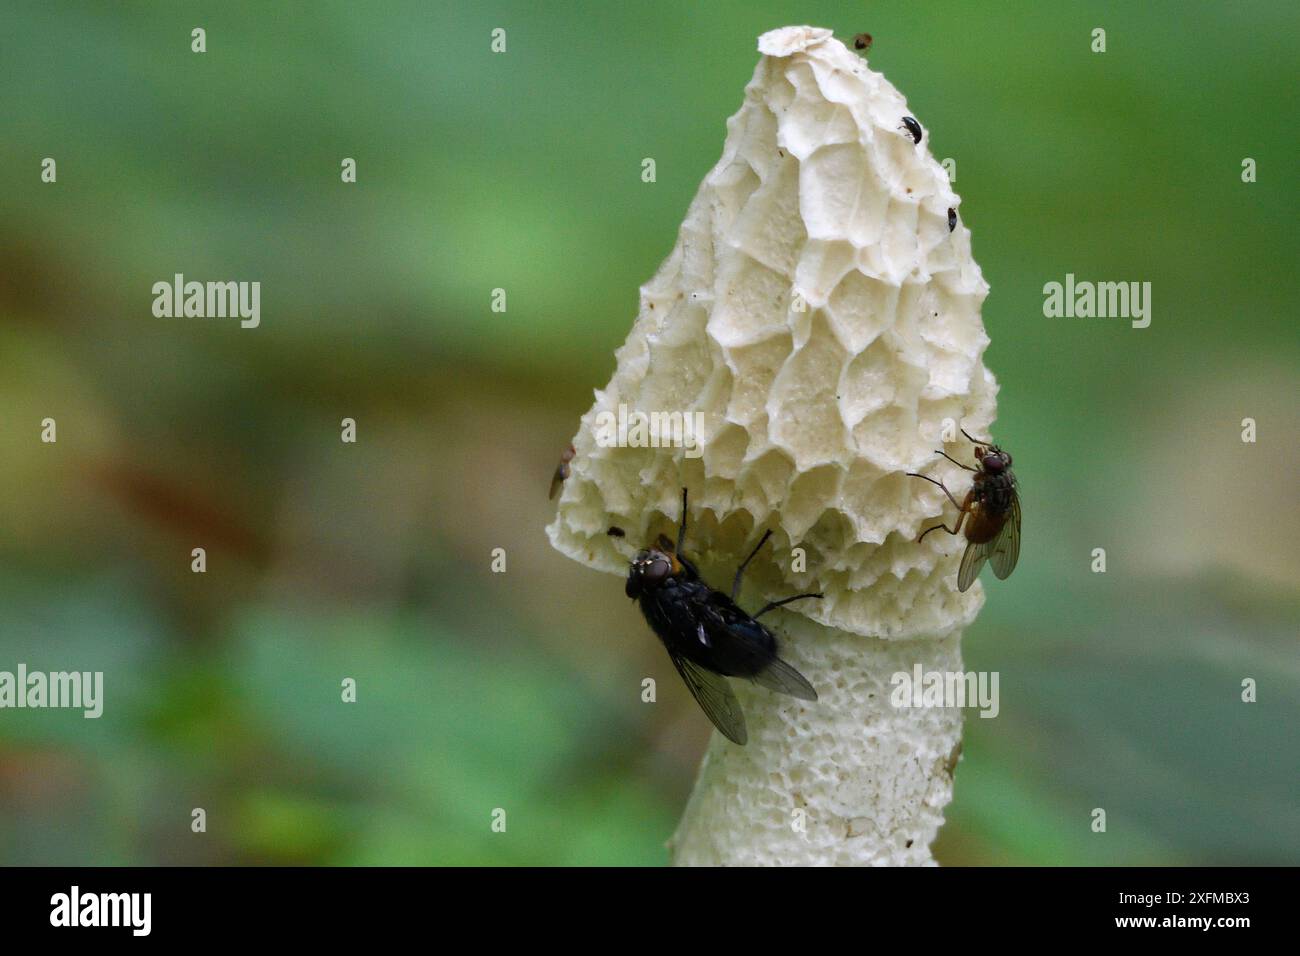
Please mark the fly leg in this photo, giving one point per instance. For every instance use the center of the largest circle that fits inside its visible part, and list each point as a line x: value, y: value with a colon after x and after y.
x: 955, y: 530
x: 963, y: 510
x: 681, y: 532
x: 953, y: 460
x: 940, y: 484
x: 771, y: 604
x: 735, y: 587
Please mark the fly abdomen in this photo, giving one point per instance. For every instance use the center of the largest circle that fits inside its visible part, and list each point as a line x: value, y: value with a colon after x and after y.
x: 749, y: 648
x: 690, y: 619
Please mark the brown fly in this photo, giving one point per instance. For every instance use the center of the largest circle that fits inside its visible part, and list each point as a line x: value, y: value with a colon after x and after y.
x: 561, y: 470
x: 990, y: 510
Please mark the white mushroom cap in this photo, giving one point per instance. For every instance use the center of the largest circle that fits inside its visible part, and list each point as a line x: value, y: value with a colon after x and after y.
x: 810, y: 418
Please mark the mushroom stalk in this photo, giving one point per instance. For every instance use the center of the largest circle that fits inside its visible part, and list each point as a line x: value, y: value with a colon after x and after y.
x: 814, y: 335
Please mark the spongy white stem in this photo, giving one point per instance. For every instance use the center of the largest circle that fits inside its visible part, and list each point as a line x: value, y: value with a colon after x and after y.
x: 824, y: 322
x: 849, y: 780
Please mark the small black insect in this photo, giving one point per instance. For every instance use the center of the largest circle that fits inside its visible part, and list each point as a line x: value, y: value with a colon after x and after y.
x: 707, y: 636
x: 862, y: 42
x: 993, y: 506
x: 615, y: 531
x: 913, y: 127
x: 561, y: 470
x: 952, y: 219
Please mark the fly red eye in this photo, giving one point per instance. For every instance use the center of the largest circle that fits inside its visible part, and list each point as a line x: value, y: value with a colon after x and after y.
x: 655, y: 571
x: 993, y: 463
x: 649, y: 570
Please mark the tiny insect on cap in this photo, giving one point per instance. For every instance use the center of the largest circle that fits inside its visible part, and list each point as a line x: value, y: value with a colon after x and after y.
x: 862, y: 41
x: 913, y: 128
x: 561, y: 470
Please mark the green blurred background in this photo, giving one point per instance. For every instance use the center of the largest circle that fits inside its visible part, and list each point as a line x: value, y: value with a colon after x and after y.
x: 522, y: 170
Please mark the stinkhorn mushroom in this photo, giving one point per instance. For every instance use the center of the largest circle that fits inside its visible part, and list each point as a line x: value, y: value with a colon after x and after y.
x: 820, y: 322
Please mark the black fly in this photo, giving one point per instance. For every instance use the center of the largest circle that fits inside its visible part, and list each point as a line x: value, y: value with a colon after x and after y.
x: 913, y: 127
x: 707, y: 636
x: 952, y: 219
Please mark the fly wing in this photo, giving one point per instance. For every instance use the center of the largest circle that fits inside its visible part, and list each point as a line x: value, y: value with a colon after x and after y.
x: 715, y: 697
x: 784, y: 679
x: 748, y: 639
x: 1006, y: 546
x: 971, y: 562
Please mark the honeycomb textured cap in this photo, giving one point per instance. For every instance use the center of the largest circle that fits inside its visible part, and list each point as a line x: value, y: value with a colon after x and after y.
x: 823, y: 323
